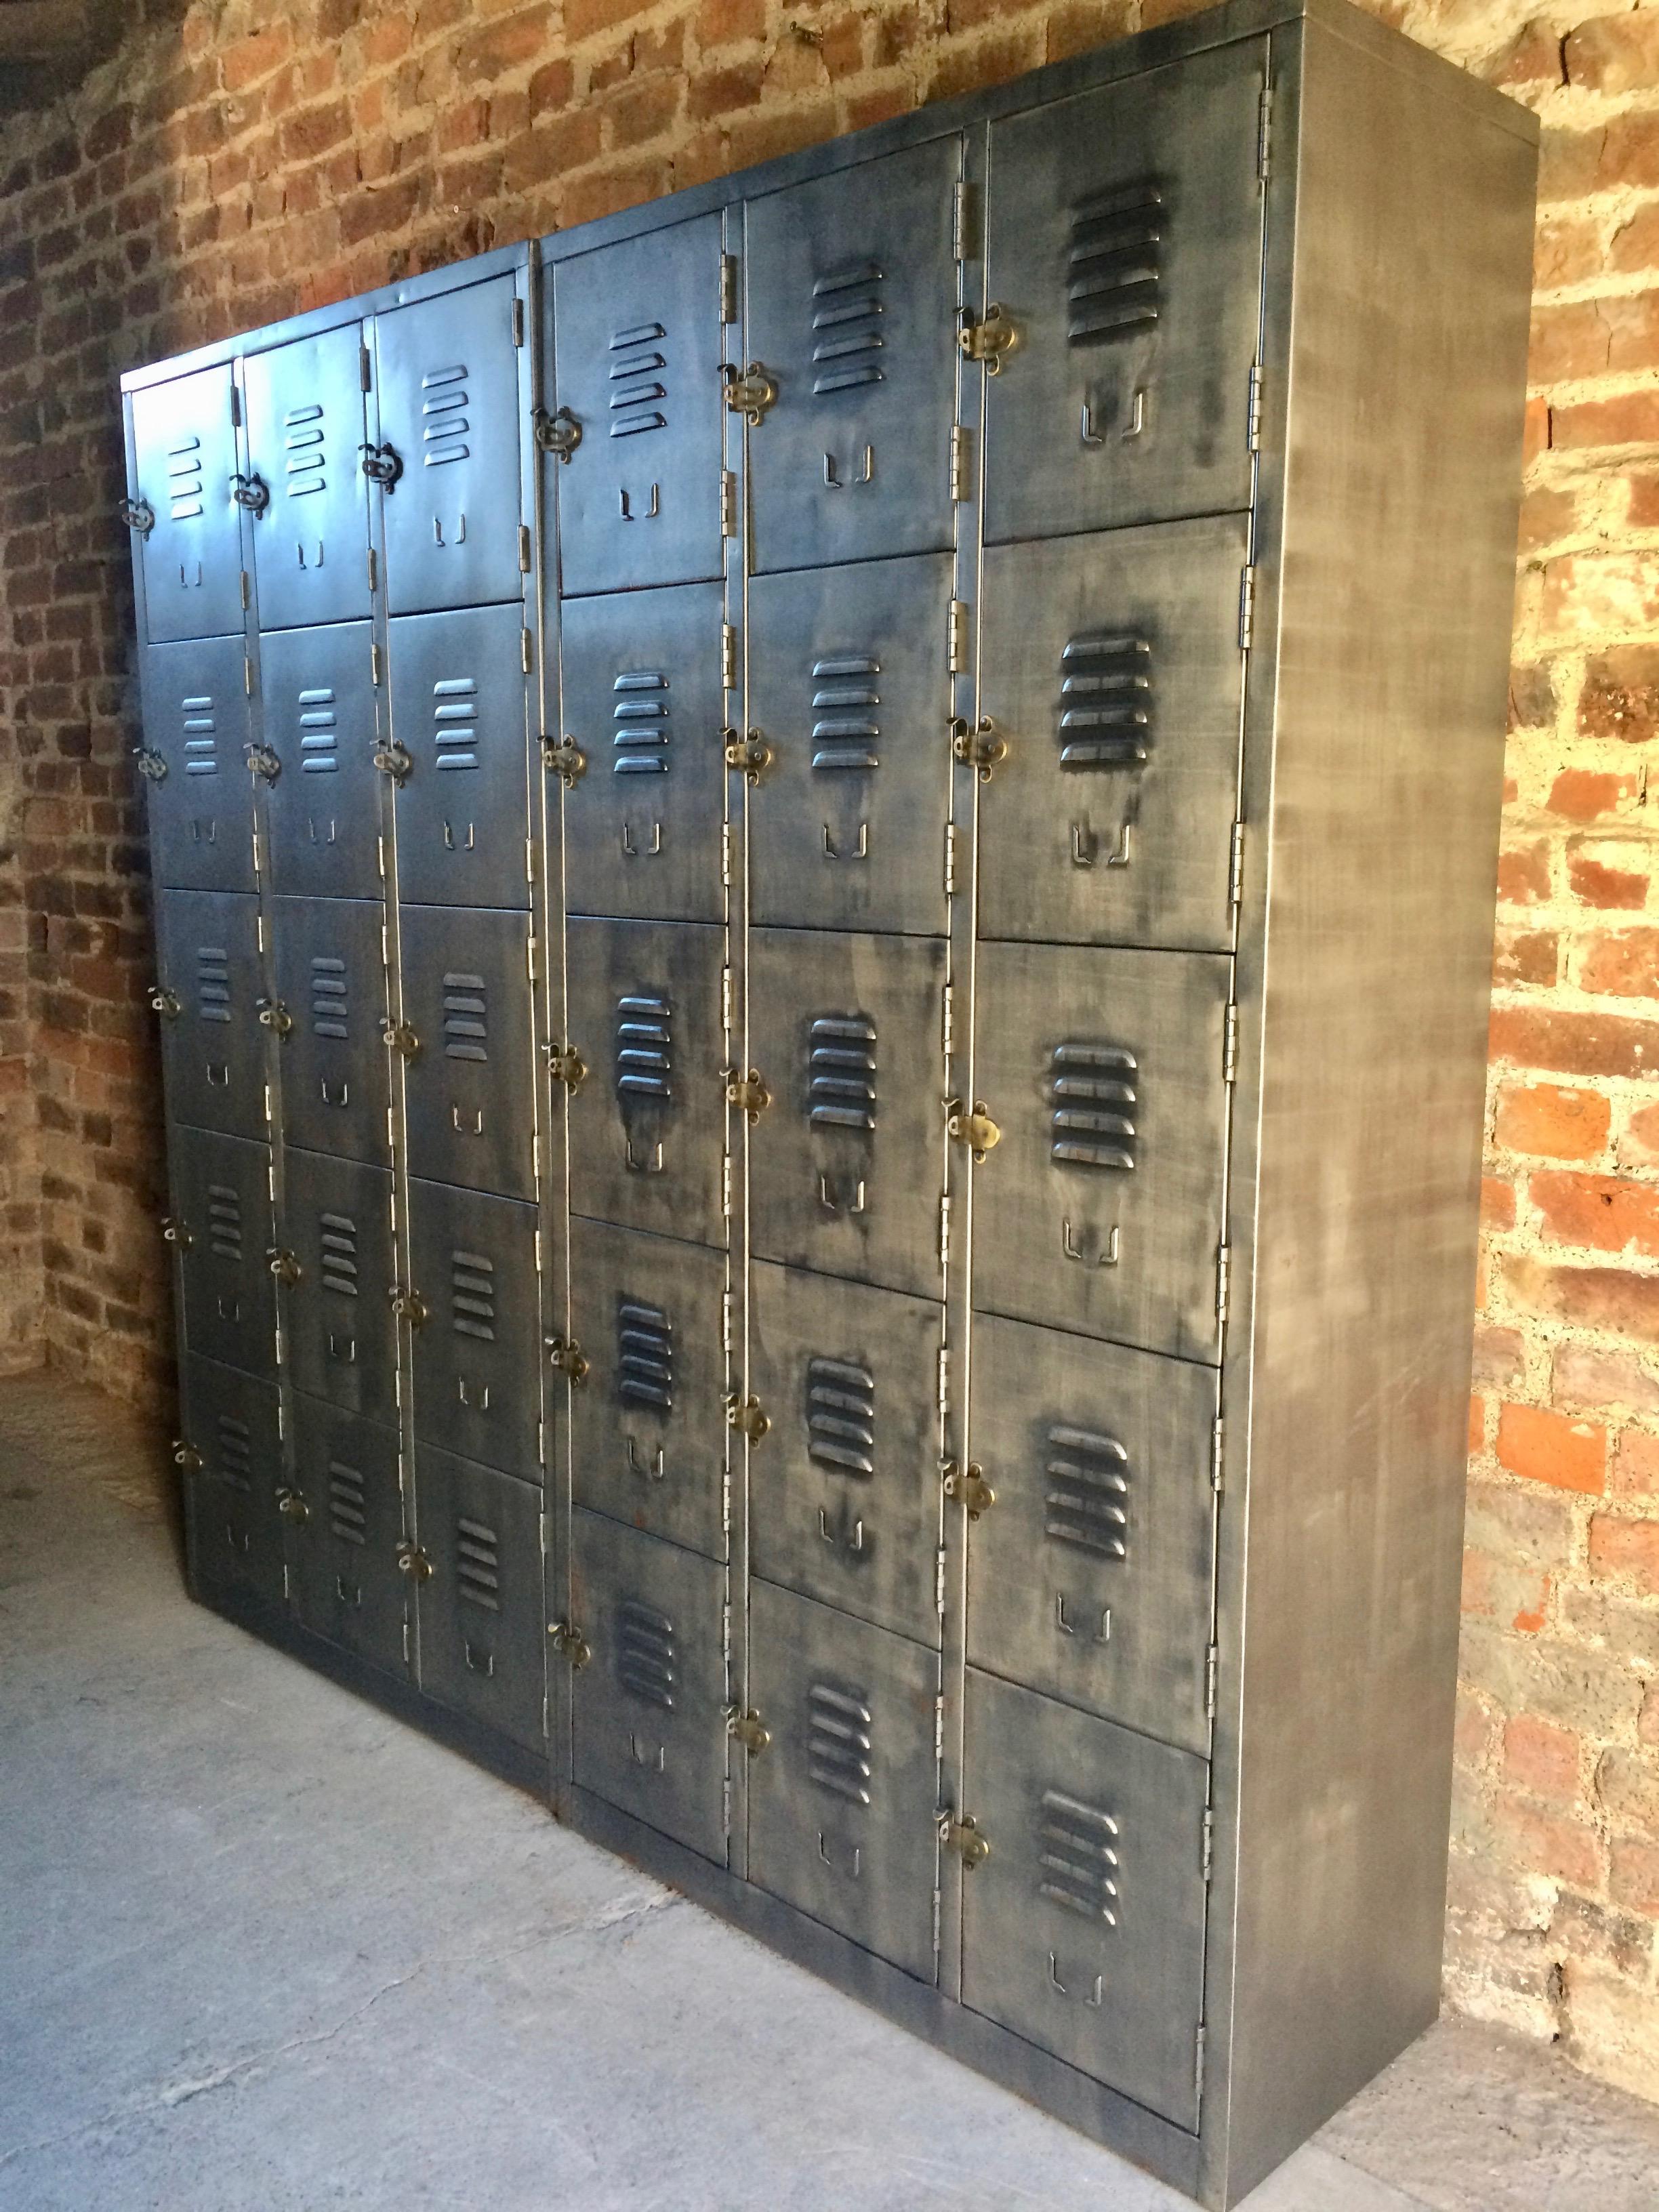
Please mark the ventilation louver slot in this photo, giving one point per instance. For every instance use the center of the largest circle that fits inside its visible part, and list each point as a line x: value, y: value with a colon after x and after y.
x: 455, y: 722
x: 644, y: 1048
x: 644, y: 1653
x: 443, y: 411
x: 304, y: 447
x: 329, y: 1005
x: 319, y: 744
x: 466, y: 1024
x: 1112, y: 269
x: 338, y: 1266
x: 841, y: 1416
x: 1087, y: 1503
x: 478, y: 1575
x: 636, y: 403
x: 841, y: 1088
x: 473, y: 1295
x: 213, y: 983
x: 224, y: 1221
x: 185, y: 479
x: 847, y: 340
x: 1105, y: 701
x: 235, y: 1452
x: 201, y: 736
x: 1093, y: 1090
x: 1078, y: 1857
x: 845, y: 731
x: 645, y: 1355
x: 641, y: 714
x: 348, y: 1507
x: 838, y: 1740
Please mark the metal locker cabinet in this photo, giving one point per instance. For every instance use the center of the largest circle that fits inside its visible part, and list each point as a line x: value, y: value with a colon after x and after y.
x: 232, y: 1455
x: 340, y: 1334
x: 186, y: 521
x: 210, y: 991
x: 475, y: 1342
x: 328, y: 965
x: 347, y: 1583
x: 323, y: 809
x: 647, y: 1421
x: 478, y: 1572
x: 649, y: 1706
x: 222, y: 1230
x: 305, y: 445
x: 469, y: 1085
x: 194, y: 763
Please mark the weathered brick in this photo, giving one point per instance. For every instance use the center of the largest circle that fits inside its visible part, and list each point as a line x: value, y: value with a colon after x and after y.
x: 1569, y: 1042
x: 1620, y: 697
x: 1551, y: 1447
x: 1614, y: 53
x: 1600, y: 1212
x: 1525, y: 955
x: 1614, y: 1299
x: 1586, y: 1378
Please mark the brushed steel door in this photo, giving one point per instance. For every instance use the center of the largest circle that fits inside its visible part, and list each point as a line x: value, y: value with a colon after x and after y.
x: 340, y: 1335
x: 328, y: 964
x: 457, y: 712
x: 482, y: 1624
x: 225, y: 1233
x: 1092, y: 1578
x: 649, y: 1708
x: 304, y: 440
x: 1110, y: 665
x: 846, y: 1164
x: 235, y: 1522
x: 196, y: 782
x: 843, y: 1801
x: 851, y: 308
x: 648, y: 1421
x: 647, y: 1125
x: 849, y: 685
x: 469, y: 1090
x: 844, y: 1498
x: 321, y: 722
x: 346, y: 1582
x: 1101, y: 1208
x: 640, y: 693
x: 210, y: 974
x: 477, y: 1351
x: 183, y: 442
x: 637, y: 346
x: 1083, y: 1928
x: 448, y: 380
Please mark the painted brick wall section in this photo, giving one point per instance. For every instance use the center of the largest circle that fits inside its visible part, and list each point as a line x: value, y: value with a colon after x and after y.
x: 234, y: 162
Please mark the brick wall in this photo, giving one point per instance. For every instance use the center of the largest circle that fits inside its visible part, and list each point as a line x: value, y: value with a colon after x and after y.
x: 235, y: 161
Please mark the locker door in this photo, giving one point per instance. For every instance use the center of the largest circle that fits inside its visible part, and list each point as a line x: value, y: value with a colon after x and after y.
x: 477, y: 1352
x: 305, y: 441
x: 849, y: 685
x: 648, y: 1421
x: 184, y: 448
x: 234, y: 1519
x: 340, y: 1332
x: 649, y: 1708
x: 328, y: 963
x: 846, y: 1163
x: 458, y: 711
x: 223, y: 1230
x: 1123, y: 244
x: 195, y: 764
x: 449, y: 411
x: 1091, y: 1577
x: 210, y: 987
x: 1111, y: 667
x: 647, y: 1126
x: 843, y: 1802
x: 1101, y: 1208
x: 482, y: 1623
x: 469, y: 1090
x: 637, y: 354
x: 347, y: 1584
x: 852, y: 285
x: 845, y: 1504
x: 1083, y: 1928
x: 642, y: 698
x: 323, y: 809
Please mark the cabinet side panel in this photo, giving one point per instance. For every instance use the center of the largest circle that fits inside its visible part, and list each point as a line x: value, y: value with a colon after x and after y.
x: 1400, y: 492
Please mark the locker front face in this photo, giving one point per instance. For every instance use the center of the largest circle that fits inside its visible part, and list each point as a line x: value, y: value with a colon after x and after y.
x: 847, y: 1163
x: 1111, y: 667
x: 304, y: 440
x: 647, y: 1125
x: 236, y: 1525
x: 650, y: 1707
x: 222, y: 1197
x: 482, y: 1624
x: 637, y: 344
x: 845, y: 1495
x: 642, y: 698
x: 1101, y: 1208
x: 852, y: 309
x: 196, y: 779
x: 1092, y: 1578
x: 1084, y: 1929
x: 477, y: 1352
x: 849, y: 686
x: 341, y: 1335
x: 213, y: 1046
x: 347, y: 1584
x: 1124, y: 244
x: 469, y: 1088
x: 648, y: 1420
x: 327, y: 960
x: 323, y: 809
x: 843, y: 1801
x: 449, y: 411
x: 184, y: 445
x: 457, y: 712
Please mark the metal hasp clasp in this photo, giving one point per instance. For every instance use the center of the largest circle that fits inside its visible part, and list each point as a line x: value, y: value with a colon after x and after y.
x: 962, y: 1834
x: 565, y: 1065
x: 408, y: 1305
x: 968, y: 1486
x: 977, y: 745
x: 751, y: 394
x: 570, y: 1642
x: 138, y: 514
x: 749, y: 1729
x: 275, y: 1016
x: 382, y: 465
x: 398, y: 1037
x: 750, y: 753
x: 150, y: 765
x: 413, y: 1562
x: 559, y: 433
x: 263, y: 763
x: 283, y: 1265
x: 176, y: 1231
x: 748, y: 1093
x: 395, y: 761
x: 292, y: 1506
x: 563, y: 757
x: 567, y: 1356
x: 186, y: 1455
x: 976, y: 1129
x: 251, y: 492
x: 166, y: 1003
x: 987, y: 340
x: 748, y: 1417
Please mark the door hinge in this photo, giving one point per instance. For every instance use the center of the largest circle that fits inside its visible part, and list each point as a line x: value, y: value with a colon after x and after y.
x: 961, y: 462
x: 247, y: 590
x: 1206, y: 1867
x: 1236, y: 867
x: 726, y: 996
x: 373, y: 664
x: 955, y: 636
x: 1224, y: 1267
x: 726, y: 855
x: 968, y: 1486
x: 964, y: 221
x: 944, y: 1377
x: 570, y: 1642
x: 961, y: 1834
x: 523, y: 549
x: 1246, y: 609
x: 725, y: 1186
x: 530, y: 860
x: 950, y: 859
x: 728, y: 288
x: 524, y: 651
x: 364, y: 379
x: 1218, y: 1430
x: 1230, y: 1042
x: 944, y: 1229
x: 728, y: 502
x: 939, y: 1580
x: 727, y: 1322
x: 939, y: 1729
x: 566, y: 1065
x: 750, y: 1731
x: 518, y: 322
x: 1264, y: 131
x: 1198, y: 2061
x: 748, y: 1417
x: 1211, y: 1668
x: 373, y: 570
x: 567, y: 1357
x: 947, y: 1020
x: 248, y: 674
x: 938, y: 1916
x: 728, y: 657
x: 531, y: 946
x: 987, y: 338
x: 537, y: 1241
x: 748, y: 1093
x: 235, y: 407
x: 1254, y: 418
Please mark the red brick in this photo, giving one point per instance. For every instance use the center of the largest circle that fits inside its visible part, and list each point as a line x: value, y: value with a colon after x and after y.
x: 1641, y: 1139
x: 1626, y: 1551
x: 250, y: 59
x: 1496, y: 1202
x: 509, y: 43
x: 1533, y: 58
x: 1614, y: 53
x: 1545, y: 1843
x: 1584, y: 794
x: 1546, y: 1446
x: 725, y: 22
x: 1523, y: 874
x: 1600, y: 1212
x: 1524, y: 956
x: 1624, y: 962
x: 1573, y: 1043
x: 1633, y: 1875
x: 1620, y: 697
x: 1541, y: 1759
x: 1635, y: 245
x: 1613, y: 1299
x: 1593, y: 880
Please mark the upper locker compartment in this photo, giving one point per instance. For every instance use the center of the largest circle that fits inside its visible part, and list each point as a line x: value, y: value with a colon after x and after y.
x: 1123, y: 249
x: 448, y: 450
x: 304, y: 440
x: 184, y: 506
x: 638, y: 386
x: 851, y: 300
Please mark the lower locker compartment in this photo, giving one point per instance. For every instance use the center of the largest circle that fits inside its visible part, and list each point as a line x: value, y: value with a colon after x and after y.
x: 476, y: 1345
x: 232, y: 1446
x: 341, y: 1333
x: 649, y: 1706
x: 843, y: 1797
x: 1083, y: 1927
x: 345, y: 1579
x: 482, y: 1622
x: 222, y: 1229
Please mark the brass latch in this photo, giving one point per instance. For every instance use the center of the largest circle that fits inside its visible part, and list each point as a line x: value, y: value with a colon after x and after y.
x: 410, y: 1306
x: 751, y: 394
x: 564, y: 1353
x: 961, y: 1835
x: 968, y: 1486
x: 563, y: 757
x: 283, y: 1265
x: 977, y: 745
x: 976, y: 1130
x: 566, y: 1065
x: 274, y: 1015
x: 987, y: 339
x: 395, y: 761
x: 413, y: 1562
x: 750, y: 1731
x: 747, y: 1093
x: 382, y: 465
x: 400, y: 1038
x: 570, y: 1642
x: 150, y: 765
x: 185, y: 1456
x: 167, y: 1003
x: 252, y: 492
x: 751, y: 754
x: 175, y: 1231
x: 138, y: 514
x: 559, y: 433
x: 747, y: 1416
x: 262, y: 762
x: 292, y: 1506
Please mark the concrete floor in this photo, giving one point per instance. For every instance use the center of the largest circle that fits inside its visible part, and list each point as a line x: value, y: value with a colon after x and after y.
x: 261, y: 1948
